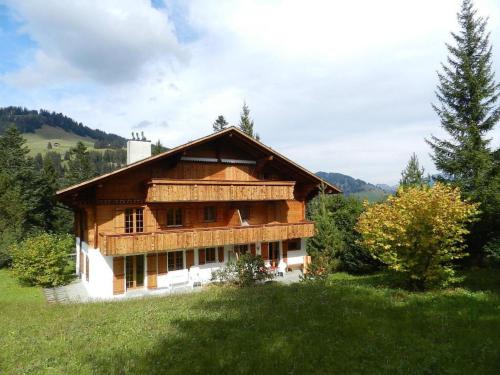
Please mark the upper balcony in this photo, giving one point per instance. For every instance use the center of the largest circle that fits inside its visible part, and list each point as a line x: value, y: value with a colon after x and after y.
x: 136, y: 243
x: 166, y: 190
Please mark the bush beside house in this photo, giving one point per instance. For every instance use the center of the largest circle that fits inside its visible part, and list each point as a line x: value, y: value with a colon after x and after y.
x: 44, y: 259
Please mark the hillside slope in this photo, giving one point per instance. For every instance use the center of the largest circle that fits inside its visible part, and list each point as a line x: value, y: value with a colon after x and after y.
x: 44, y: 126
x: 356, y: 187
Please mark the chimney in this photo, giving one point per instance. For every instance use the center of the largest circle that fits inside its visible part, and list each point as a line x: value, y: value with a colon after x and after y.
x: 138, y: 149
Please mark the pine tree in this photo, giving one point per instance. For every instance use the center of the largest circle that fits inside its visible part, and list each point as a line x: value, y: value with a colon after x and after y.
x: 246, y: 123
x: 327, y: 244
x: 79, y: 165
x: 157, y: 148
x: 468, y: 110
x: 220, y: 124
x: 413, y: 174
x: 14, y: 160
x: 49, y: 146
x: 467, y: 96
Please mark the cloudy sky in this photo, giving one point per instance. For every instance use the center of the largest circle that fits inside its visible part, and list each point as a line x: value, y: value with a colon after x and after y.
x: 340, y: 86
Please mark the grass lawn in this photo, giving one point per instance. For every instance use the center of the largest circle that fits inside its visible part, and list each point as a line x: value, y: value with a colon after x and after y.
x: 353, y: 325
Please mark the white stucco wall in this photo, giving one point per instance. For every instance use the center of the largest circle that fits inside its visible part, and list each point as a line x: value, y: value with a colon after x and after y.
x: 100, y: 284
x: 297, y: 256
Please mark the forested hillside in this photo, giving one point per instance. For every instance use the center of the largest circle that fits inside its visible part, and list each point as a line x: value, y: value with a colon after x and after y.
x: 29, y: 121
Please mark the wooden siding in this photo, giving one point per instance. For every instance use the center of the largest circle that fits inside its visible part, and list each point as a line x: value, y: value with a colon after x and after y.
x: 195, y: 238
x: 161, y: 190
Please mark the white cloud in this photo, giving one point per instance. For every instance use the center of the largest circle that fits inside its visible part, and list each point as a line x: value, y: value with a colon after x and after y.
x: 336, y: 85
x: 108, y: 41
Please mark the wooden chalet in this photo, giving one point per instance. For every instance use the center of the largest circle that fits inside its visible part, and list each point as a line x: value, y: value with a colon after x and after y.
x: 173, y: 218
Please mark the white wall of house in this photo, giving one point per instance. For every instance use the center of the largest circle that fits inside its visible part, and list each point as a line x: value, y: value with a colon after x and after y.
x: 296, y: 257
x: 100, y: 283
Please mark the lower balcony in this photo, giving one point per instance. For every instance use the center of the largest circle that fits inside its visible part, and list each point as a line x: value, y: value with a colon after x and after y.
x: 122, y: 244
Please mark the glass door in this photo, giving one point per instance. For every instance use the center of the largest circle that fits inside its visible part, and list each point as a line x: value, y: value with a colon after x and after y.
x: 134, y: 271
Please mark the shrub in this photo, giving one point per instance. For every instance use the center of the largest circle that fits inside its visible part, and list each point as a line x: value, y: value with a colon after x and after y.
x: 246, y: 271
x: 44, y: 259
x: 335, y: 245
x: 419, y: 232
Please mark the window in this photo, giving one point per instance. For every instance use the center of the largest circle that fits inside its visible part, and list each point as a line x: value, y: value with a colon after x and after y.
x: 294, y: 244
x: 129, y: 220
x: 210, y: 255
x: 274, y: 250
x: 241, y: 249
x: 210, y: 213
x: 245, y: 213
x: 139, y: 220
x: 175, y: 260
x: 130, y: 213
x: 174, y: 216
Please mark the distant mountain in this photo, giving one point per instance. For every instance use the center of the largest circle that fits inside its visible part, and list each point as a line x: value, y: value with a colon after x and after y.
x: 387, y: 188
x: 46, y: 126
x: 356, y: 187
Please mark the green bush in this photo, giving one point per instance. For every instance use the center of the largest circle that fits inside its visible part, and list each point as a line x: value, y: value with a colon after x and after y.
x: 44, y: 259
x: 246, y: 271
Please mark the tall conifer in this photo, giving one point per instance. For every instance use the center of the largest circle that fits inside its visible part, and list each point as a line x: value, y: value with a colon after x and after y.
x: 467, y: 107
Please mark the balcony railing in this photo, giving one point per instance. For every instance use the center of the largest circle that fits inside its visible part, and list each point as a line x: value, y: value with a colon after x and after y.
x: 163, y: 190
x: 122, y: 244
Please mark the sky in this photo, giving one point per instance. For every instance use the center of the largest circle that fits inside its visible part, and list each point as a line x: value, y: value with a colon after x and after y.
x: 337, y: 86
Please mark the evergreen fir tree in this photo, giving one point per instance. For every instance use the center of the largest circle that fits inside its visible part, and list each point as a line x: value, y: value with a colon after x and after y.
x: 220, y: 124
x: 79, y: 165
x: 14, y: 160
x: 327, y: 243
x: 467, y: 96
x: 246, y: 123
x: 468, y: 110
x: 49, y: 146
x: 413, y: 174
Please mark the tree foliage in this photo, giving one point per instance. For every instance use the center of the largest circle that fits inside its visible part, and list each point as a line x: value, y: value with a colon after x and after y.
x: 419, y: 232
x: 220, y: 124
x: 247, y: 270
x: 467, y: 107
x: 79, y: 165
x: 44, y: 259
x: 27, y: 189
x: 157, y: 148
x: 246, y: 123
x: 413, y: 174
x: 335, y: 245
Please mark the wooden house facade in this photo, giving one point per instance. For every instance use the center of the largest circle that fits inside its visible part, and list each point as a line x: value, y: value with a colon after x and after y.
x: 174, y: 218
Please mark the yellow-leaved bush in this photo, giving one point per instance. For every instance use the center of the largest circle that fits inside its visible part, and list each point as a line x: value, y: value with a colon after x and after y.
x: 419, y: 232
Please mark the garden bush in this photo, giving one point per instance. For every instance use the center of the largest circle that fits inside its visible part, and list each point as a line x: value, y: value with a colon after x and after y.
x: 419, y: 232
x: 44, y: 259
x: 247, y: 270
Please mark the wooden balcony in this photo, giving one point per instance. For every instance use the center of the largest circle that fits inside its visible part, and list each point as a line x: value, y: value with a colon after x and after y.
x: 163, y: 190
x: 122, y: 244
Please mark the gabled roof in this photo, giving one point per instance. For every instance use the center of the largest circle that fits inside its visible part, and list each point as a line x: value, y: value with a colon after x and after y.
x: 164, y: 155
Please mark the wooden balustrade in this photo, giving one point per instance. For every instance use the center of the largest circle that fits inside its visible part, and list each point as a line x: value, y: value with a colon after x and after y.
x: 163, y: 190
x: 122, y: 244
